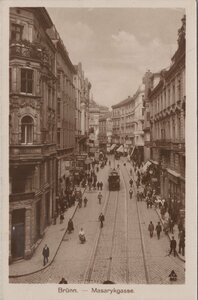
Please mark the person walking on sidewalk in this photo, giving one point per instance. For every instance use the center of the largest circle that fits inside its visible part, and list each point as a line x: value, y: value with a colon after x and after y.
x: 98, y: 185
x: 45, y: 254
x: 173, y: 245
x: 130, y: 193
x: 99, y: 197
x: 151, y: 229
x: 131, y: 182
x: 70, y: 226
x: 101, y: 219
x: 61, y: 218
x: 171, y: 225
x: 101, y: 185
x: 85, y: 202
x: 158, y: 230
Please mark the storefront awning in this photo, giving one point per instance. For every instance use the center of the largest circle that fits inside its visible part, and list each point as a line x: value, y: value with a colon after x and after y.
x: 145, y: 166
x: 112, y: 147
x: 120, y: 149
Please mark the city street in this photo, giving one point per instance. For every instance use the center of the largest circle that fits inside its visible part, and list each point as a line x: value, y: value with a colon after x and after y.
x: 122, y: 251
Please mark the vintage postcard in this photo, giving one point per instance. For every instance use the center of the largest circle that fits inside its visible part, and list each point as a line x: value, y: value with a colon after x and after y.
x: 98, y: 149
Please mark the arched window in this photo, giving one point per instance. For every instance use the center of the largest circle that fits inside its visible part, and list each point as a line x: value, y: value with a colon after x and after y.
x: 27, y: 125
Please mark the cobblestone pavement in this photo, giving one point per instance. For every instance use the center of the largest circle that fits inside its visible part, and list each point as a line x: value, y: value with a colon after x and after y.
x: 72, y: 257
x: 120, y: 239
x: 158, y: 263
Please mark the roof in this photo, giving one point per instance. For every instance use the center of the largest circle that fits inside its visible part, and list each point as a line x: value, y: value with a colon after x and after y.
x: 123, y: 102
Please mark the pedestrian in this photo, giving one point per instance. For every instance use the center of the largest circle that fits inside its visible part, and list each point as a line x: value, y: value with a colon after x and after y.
x: 173, y: 245
x: 130, y: 193
x: 63, y: 281
x: 101, y: 185
x: 70, y: 226
x: 151, y: 229
x: 101, y: 219
x: 131, y: 182
x: 171, y: 225
x: 99, y: 197
x: 85, y: 202
x: 158, y: 230
x: 98, y: 185
x: 45, y: 254
x: 61, y: 218
x: 147, y: 202
x: 181, y: 242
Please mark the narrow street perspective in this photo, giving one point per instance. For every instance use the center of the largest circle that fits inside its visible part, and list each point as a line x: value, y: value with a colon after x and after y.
x: 97, y: 146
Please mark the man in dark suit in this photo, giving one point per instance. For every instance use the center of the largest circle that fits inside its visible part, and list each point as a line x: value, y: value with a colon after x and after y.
x: 173, y: 245
x: 45, y: 254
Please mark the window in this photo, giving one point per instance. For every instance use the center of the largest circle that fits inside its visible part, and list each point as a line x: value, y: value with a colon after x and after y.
x: 58, y: 137
x: 27, y: 126
x: 26, y: 81
x: 16, y: 32
x: 58, y: 109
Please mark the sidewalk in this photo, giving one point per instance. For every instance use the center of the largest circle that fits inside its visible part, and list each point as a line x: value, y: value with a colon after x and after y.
x: 175, y: 229
x: 53, y: 237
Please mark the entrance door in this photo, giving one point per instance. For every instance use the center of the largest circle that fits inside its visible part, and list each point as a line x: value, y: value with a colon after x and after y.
x: 18, y: 234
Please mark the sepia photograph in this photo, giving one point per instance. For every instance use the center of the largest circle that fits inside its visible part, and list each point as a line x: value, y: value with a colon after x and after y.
x: 97, y: 139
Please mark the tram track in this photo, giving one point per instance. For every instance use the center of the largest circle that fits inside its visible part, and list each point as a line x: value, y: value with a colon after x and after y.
x: 90, y: 269
x: 139, y: 225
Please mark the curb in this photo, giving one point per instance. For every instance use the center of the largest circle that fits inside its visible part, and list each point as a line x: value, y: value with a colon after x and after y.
x: 178, y: 255
x: 43, y: 268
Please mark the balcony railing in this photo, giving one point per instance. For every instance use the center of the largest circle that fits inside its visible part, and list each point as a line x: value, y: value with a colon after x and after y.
x: 169, y: 144
x: 28, y: 50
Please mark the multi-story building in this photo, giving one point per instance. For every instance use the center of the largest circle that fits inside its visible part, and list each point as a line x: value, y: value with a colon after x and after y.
x: 32, y: 129
x: 167, y: 117
x: 65, y: 110
x: 105, y: 131
x: 127, y: 118
x: 150, y: 80
x: 82, y: 90
x: 95, y: 111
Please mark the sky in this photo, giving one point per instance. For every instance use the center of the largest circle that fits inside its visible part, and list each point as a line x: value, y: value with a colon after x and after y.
x: 116, y: 46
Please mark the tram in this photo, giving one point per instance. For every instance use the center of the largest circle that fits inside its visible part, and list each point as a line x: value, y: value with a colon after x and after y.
x: 114, y: 180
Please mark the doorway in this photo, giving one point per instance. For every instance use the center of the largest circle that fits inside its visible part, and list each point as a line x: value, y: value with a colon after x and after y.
x: 18, y: 234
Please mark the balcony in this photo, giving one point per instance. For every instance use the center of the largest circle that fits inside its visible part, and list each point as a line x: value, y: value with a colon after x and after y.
x: 31, y: 51
x: 167, y: 144
x: 21, y: 196
x: 31, y: 152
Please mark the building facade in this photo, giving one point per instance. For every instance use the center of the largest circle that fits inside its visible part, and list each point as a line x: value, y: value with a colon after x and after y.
x: 127, y: 119
x: 32, y: 129
x: 82, y: 92
x: 167, y: 120
x: 65, y: 111
x: 105, y: 132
